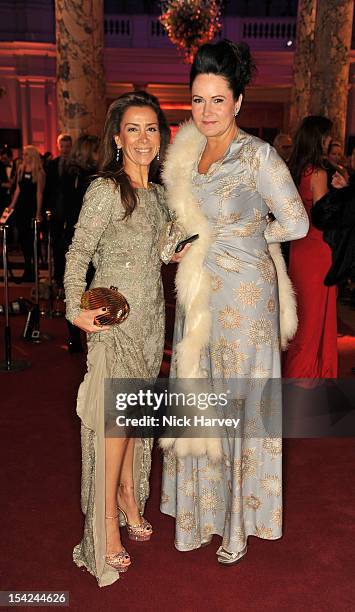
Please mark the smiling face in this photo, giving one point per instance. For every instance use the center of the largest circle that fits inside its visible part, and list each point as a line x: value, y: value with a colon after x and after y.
x: 139, y: 136
x: 213, y: 105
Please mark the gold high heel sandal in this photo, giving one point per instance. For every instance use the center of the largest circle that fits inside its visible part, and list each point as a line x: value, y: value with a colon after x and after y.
x: 116, y: 560
x: 141, y: 532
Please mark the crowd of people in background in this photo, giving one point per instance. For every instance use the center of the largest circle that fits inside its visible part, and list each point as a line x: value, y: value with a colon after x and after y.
x: 33, y: 184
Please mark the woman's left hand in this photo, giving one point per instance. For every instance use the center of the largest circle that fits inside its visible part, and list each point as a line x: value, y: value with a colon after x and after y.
x: 177, y: 257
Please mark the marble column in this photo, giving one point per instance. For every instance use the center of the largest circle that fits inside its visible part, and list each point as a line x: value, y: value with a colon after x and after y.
x: 330, y: 82
x: 303, y: 62
x: 80, y: 69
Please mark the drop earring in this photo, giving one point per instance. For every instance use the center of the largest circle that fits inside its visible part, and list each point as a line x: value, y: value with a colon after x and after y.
x: 236, y: 112
x: 118, y: 153
x: 158, y: 155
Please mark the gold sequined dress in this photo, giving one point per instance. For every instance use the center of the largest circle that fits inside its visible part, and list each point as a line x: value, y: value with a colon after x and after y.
x: 125, y: 254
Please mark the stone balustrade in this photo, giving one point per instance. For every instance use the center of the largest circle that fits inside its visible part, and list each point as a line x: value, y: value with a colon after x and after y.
x: 145, y: 31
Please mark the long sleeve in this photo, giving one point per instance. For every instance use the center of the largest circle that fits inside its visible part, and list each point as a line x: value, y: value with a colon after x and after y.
x: 275, y: 185
x: 171, y: 232
x: 93, y: 220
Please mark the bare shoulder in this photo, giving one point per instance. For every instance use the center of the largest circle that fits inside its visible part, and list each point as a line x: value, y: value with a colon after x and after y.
x: 319, y: 183
x: 319, y: 176
x: 319, y: 172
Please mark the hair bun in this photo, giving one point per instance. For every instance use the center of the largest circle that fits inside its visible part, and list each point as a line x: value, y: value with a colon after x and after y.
x: 245, y: 64
x: 233, y: 61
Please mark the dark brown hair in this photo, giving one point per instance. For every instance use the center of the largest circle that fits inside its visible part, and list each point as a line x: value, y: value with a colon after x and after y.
x: 108, y: 165
x: 308, y: 145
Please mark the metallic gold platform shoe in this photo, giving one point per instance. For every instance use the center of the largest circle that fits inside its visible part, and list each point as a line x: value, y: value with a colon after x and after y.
x: 118, y: 560
x: 140, y: 532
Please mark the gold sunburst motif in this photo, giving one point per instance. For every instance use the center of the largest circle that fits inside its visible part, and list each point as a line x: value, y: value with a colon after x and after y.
x: 188, y: 488
x: 293, y: 208
x: 207, y: 531
x: 278, y: 232
x: 228, y: 262
x: 271, y: 305
x: 258, y: 371
x: 226, y: 187
x: 244, y: 231
x: 186, y: 521
x: 211, y: 472
x: 271, y: 483
x: 252, y: 501
x: 279, y: 173
x: 227, y: 358
x: 266, y: 267
x: 273, y: 446
x: 252, y: 226
x: 260, y: 332
x: 264, y: 532
x: 253, y: 428
x: 248, y: 156
x: 210, y: 501
x: 229, y: 219
x: 230, y: 318
x: 277, y: 516
x: 216, y: 282
x: 249, y: 294
x: 247, y: 466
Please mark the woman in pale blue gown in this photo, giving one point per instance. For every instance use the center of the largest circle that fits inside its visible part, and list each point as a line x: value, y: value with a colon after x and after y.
x: 222, y: 184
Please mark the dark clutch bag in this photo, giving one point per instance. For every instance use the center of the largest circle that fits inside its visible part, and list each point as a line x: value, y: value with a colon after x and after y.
x: 101, y: 297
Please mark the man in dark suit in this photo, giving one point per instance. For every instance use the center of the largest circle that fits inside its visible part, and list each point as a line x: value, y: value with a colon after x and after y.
x: 54, y: 201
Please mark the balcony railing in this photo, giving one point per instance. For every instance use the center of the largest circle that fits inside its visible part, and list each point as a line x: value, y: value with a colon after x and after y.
x: 269, y: 29
x: 145, y: 31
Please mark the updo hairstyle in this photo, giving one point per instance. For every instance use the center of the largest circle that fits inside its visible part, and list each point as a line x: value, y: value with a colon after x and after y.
x: 228, y: 60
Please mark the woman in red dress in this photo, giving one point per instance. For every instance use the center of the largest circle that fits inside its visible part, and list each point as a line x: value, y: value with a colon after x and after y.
x: 313, y: 351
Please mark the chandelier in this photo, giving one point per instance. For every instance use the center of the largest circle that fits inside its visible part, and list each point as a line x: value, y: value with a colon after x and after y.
x: 190, y: 24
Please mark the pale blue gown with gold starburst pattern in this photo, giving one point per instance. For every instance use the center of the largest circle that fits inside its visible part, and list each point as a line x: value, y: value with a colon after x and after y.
x: 240, y: 495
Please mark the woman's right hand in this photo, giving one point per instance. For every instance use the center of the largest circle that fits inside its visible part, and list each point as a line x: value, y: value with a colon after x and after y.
x: 86, y: 320
x: 339, y: 181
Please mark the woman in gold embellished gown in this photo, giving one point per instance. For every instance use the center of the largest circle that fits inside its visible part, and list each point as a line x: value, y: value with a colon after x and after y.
x: 121, y: 220
x: 222, y: 184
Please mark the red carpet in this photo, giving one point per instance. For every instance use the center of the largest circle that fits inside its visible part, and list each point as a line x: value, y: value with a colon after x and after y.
x: 311, y: 567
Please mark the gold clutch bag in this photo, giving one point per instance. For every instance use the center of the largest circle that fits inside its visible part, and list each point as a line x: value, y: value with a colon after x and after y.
x: 101, y: 297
